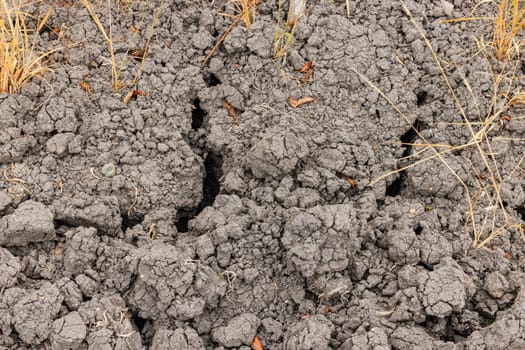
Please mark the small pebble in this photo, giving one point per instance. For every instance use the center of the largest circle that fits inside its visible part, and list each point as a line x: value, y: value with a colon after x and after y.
x: 109, y: 170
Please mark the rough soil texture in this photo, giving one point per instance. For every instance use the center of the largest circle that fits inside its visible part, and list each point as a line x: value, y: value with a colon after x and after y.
x: 213, y: 230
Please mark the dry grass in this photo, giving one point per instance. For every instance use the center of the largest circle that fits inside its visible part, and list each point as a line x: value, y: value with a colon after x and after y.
x: 284, y: 31
x: 245, y: 10
x: 116, y: 68
x: 125, y: 3
x: 116, y: 84
x: 487, y: 216
x: 507, y: 26
x: 19, y: 62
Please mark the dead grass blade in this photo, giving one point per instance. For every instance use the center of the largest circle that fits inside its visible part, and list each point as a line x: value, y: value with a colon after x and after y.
x: 44, y: 19
x: 465, y: 19
x: 256, y: 344
x: 146, y: 48
x: 116, y: 84
x: 517, y: 98
x: 297, y: 102
x: 219, y: 42
x: 131, y: 94
x: 306, y: 66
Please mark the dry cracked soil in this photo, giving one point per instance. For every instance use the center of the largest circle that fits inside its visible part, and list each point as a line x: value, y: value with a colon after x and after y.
x: 170, y: 222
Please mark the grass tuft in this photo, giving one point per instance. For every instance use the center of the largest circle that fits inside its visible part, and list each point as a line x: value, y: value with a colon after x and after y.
x: 284, y: 31
x: 19, y: 62
x: 509, y: 22
x: 245, y: 10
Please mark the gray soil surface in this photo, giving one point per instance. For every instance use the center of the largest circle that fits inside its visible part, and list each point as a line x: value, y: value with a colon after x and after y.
x: 165, y: 223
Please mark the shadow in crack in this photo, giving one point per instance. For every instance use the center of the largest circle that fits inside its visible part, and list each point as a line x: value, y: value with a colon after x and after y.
x: 210, y: 190
x: 211, y: 186
x: 197, y: 115
x: 395, y: 188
